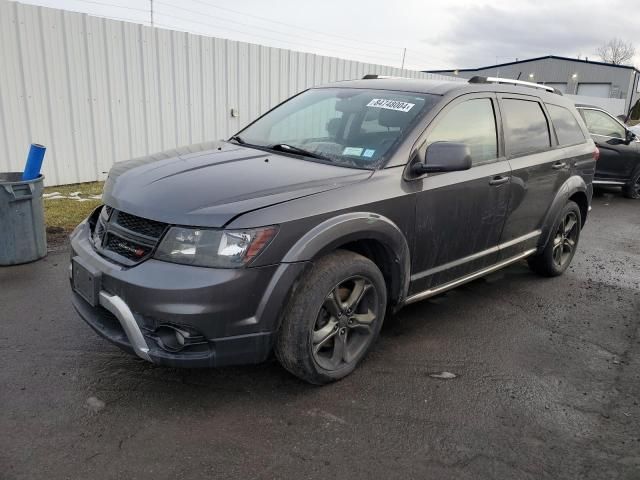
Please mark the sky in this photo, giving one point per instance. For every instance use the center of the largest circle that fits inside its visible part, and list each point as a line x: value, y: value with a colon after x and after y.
x: 436, y: 34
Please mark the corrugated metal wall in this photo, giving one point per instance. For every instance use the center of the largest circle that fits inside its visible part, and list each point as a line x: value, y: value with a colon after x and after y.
x: 97, y: 91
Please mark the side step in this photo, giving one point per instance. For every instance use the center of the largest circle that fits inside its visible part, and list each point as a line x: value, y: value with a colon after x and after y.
x: 468, y: 278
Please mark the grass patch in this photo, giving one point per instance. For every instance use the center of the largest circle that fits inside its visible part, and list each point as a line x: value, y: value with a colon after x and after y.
x: 66, y: 214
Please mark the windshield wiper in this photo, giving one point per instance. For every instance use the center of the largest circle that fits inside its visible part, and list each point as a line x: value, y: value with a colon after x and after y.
x: 283, y: 147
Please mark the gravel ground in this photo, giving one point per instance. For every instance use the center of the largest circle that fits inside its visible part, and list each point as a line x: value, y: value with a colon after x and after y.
x: 547, y: 386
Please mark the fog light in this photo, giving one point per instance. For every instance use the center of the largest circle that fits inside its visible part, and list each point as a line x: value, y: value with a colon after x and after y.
x: 174, y: 339
x: 168, y: 339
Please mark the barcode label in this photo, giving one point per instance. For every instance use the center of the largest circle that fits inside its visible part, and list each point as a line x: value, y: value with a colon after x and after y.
x: 391, y: 104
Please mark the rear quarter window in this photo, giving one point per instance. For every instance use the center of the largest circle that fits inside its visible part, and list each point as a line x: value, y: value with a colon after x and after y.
x: 525, y: 126
x: 566, y: 126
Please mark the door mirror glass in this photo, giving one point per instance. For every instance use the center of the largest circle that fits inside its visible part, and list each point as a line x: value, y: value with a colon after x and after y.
x: 445, y: 157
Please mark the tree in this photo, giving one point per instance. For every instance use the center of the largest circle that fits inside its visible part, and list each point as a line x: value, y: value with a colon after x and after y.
x: 616, y: 51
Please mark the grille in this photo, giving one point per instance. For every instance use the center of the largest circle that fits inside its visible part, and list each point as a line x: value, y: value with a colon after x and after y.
x: 101, y: 226
x: 98, y: 233
x: 142, y: 226
x: 126, y: 248
x: 126, y: 238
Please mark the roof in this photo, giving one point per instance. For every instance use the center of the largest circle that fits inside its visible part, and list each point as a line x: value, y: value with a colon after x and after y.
x: 443, y: 87
x: 590, y: 62
x: 436, y: 87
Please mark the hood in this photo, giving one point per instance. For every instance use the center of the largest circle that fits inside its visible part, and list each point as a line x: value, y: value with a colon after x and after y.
x: 209, y: 184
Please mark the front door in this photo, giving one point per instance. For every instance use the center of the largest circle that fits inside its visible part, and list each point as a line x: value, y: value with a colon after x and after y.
x: 618, y: 157
x: 459, y: 215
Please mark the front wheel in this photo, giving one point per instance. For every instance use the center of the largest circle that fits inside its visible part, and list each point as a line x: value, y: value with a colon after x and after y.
x: 333, y: 318
x: 561, y: 246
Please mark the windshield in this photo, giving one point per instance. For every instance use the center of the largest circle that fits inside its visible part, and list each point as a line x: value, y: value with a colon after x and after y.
x: 349, y: 127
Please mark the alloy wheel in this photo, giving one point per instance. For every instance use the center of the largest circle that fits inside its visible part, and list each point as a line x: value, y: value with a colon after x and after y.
x: 345, y: 324
x: 564, y: 242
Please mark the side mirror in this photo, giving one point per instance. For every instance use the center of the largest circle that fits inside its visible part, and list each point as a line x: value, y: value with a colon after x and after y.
x: 630, y: 136
x: 444, y: 157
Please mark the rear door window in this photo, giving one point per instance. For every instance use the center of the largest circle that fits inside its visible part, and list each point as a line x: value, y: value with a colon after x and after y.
x: 473, y: 123
x: 525, y: 127
x: 566, y: 126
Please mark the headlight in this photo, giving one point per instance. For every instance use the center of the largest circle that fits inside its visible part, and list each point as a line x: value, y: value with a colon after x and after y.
x: 213, y: 248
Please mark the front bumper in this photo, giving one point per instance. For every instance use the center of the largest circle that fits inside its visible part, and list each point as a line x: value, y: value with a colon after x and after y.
x: 233, y: 312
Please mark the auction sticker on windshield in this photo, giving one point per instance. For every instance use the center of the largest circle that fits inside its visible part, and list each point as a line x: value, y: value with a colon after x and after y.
x: 355, y: 151
x: 391, y: 104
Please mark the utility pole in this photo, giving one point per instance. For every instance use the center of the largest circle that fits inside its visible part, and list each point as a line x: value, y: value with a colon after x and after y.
x: 404, y: 53
x: 151, y: 2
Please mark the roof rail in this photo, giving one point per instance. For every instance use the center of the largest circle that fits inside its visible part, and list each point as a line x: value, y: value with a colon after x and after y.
x: 373, y: 76
x: 479, y: 79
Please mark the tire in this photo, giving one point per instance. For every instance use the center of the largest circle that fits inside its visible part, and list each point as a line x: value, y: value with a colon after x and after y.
x: 562, y: 244
x: 632, y: 189
x: 321, y: 340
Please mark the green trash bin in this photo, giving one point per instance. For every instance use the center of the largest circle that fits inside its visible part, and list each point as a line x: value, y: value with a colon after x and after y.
x: 23, y: 235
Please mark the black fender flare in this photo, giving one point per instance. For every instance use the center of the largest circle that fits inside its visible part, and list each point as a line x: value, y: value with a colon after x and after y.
x: 350, y: 227
x: 571, y: 186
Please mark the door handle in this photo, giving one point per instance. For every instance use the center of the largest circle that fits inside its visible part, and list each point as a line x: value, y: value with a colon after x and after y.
x: 559, y: 165
x: 498, y: 180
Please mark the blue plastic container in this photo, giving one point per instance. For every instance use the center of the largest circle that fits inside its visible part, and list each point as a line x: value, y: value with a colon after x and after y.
x: 34, y: 162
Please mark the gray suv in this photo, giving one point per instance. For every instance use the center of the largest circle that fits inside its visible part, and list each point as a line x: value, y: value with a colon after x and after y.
x: 300, y: 233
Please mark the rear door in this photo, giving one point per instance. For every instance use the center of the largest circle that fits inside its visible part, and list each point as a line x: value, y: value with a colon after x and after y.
x: 538, y: 170
x: 618, y: 157
x: 459, y: 215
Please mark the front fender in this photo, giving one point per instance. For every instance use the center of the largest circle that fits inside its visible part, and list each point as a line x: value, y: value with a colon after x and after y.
x: 350, y: 227
x: 571, y: 186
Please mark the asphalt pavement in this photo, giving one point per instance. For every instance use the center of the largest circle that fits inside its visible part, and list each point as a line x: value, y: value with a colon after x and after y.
x: 547, y: 385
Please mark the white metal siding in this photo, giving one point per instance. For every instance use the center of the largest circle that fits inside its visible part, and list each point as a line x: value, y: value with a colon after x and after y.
x: 615, y: 106
x: 97, y: 91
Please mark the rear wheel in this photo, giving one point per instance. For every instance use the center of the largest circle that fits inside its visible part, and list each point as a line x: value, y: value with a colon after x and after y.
x: 632, y: 189
x: 333, y: 318
x: 561, y: 247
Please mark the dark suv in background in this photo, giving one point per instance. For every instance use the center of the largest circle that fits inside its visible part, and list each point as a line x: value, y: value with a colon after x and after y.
x: 619, y: 162
x: 344, y: 203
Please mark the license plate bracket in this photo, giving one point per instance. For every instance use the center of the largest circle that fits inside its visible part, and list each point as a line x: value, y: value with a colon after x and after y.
x: 86, y: 281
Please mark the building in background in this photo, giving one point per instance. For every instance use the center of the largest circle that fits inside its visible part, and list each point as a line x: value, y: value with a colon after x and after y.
x: 569, y: 75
